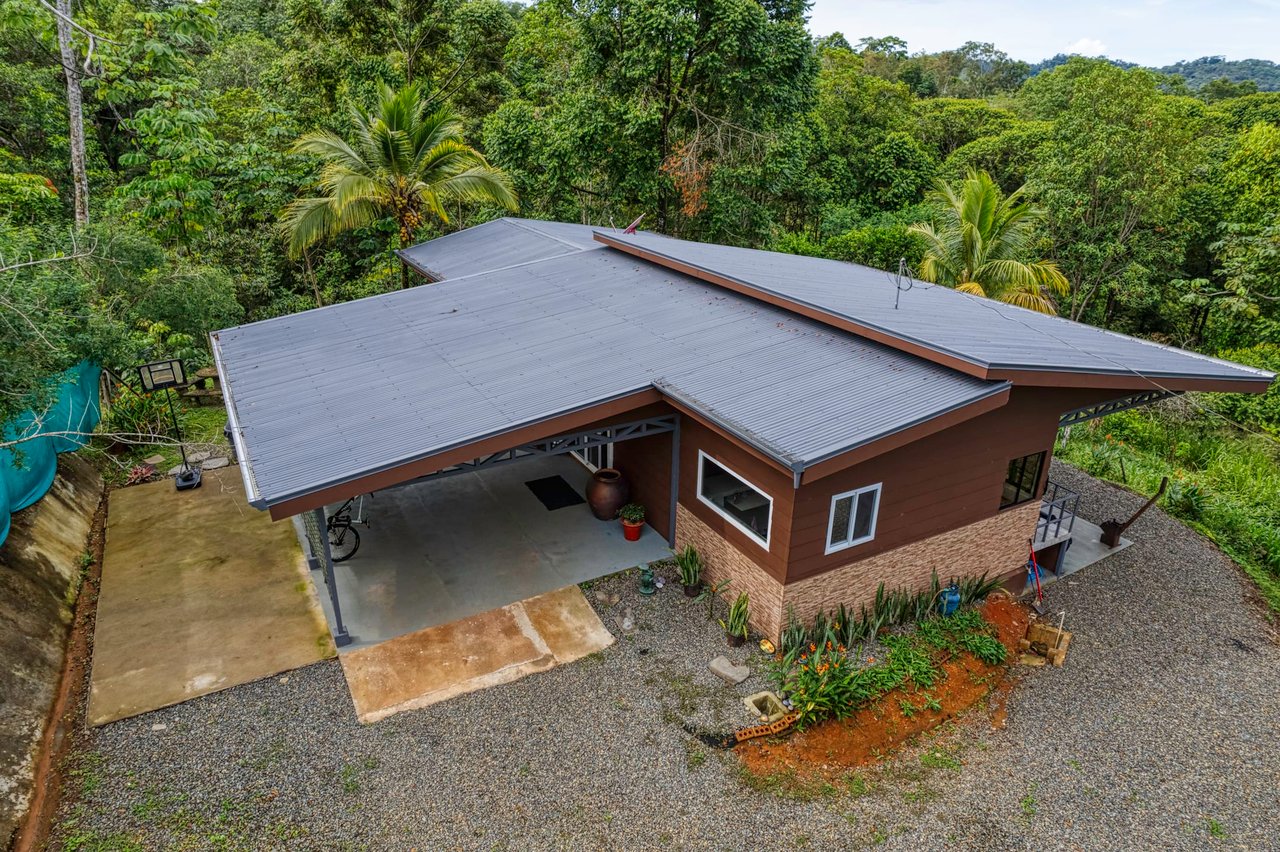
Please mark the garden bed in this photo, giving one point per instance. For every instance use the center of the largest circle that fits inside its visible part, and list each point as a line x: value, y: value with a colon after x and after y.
x: 830, y: 749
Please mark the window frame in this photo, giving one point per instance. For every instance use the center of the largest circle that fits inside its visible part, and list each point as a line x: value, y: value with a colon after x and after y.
x: 1042, y: 458
x: 750, y: 533
x: 831, y: 518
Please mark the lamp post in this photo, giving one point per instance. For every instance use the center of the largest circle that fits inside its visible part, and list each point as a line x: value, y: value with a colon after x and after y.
x: 161, y: 376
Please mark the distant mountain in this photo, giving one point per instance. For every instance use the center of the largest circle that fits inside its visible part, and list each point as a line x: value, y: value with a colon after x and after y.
x: 1198, y: 72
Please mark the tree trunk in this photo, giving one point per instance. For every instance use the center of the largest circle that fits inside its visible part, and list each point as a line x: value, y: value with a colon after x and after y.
x: 75, y: 110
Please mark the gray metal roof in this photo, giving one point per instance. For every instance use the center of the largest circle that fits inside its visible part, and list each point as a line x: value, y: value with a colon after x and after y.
x: 325, y: 396
x: 989, y: 334
x: 497, y: 244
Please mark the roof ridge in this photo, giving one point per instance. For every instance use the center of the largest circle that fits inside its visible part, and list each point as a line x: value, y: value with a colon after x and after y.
x: 520, y: 223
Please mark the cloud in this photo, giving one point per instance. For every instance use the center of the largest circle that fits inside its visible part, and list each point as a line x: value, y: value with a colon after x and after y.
x: 1087, y: 47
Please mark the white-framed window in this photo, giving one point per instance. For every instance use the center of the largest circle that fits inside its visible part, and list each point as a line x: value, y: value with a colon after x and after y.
x: 853, y: 517
x: 738, y: 501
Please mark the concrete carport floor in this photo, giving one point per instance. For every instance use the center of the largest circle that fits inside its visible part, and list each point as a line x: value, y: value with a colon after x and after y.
x: 441, y: 550
x: 469, y: 581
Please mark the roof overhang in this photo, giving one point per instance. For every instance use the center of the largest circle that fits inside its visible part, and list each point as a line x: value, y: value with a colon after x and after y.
x: 1120, y: 377
x: 396, y: 472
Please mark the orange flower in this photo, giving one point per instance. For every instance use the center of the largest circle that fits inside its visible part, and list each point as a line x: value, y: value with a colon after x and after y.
x: 871, y: 659
x: 812, y: 647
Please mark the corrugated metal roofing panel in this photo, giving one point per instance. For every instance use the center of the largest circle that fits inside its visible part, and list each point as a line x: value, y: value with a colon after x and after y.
x: 497, y: 244
x: 984, y: 332
x: 329, y: 395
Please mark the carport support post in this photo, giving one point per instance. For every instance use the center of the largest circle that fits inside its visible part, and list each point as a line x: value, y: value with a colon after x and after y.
x: 675, y: 483
x: 340, y: 635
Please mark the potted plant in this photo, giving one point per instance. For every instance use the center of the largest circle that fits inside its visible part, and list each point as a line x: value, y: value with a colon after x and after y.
x: 735, y: 628
x: 689, y: 560
x: 632, y: 517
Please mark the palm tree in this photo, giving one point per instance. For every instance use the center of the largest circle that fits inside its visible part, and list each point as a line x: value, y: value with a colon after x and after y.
x: 406, y: 162
x: 977, y: 243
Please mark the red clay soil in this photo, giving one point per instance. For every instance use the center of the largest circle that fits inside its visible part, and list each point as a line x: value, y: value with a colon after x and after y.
x: 66, y: 717
x: 834, y: 747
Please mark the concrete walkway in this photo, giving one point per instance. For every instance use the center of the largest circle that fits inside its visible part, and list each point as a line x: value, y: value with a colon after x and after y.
x: 200, y: 592
x: 442, y: 550
x: 488, y: 649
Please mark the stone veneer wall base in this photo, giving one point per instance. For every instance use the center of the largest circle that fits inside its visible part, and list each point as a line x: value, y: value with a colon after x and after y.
x: 994, y: 546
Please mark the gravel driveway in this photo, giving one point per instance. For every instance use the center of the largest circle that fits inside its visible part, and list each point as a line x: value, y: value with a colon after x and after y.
x: 1162, y: 731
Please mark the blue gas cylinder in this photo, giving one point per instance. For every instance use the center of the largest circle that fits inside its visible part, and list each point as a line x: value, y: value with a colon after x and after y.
x: 950, y: 600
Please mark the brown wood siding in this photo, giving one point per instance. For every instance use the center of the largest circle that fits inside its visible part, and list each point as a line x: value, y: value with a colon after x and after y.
x: 937, y: 484
x: 766, y: 477
x: 646, y: 463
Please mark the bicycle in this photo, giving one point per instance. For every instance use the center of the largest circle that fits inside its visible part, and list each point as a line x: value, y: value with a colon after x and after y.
x: 344, y: 541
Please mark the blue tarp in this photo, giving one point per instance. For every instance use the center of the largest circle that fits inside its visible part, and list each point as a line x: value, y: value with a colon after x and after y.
x: 24, y: 478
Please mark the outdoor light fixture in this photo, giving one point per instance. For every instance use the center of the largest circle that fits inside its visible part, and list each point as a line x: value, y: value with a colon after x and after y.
x: 162, y: 376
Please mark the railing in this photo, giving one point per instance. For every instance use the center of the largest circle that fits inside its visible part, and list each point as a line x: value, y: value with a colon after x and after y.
x: 1058, y: 509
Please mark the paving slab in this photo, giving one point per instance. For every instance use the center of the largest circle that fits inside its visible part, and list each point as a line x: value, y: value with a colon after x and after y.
x: 200, y: 592
x: 480, y: 651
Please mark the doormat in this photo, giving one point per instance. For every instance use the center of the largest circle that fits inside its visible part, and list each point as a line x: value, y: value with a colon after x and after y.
x: 554, y: 492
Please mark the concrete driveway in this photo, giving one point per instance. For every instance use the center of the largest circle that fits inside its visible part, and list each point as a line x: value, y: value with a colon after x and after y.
x: 200, y: 592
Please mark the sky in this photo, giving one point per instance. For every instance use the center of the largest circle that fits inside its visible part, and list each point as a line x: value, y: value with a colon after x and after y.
x: 1149, y: 32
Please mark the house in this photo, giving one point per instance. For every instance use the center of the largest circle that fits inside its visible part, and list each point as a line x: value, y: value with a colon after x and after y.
x: 812, y: 427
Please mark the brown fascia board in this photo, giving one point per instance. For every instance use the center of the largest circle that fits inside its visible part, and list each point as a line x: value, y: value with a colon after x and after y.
x: 971, y: 368
x: 1040, y: 378
x: 911, y: 434
x: 495, y: 443
x: 1136, y: 382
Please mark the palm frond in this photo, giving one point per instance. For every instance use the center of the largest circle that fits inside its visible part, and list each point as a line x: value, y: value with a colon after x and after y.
x: 978, y: 242
x: 333, y: 150
x: 1031, y: 300
x: 483, y: 184
x: 304, y: 222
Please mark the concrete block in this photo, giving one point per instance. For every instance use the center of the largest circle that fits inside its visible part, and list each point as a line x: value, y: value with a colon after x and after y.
x: 727, y: 671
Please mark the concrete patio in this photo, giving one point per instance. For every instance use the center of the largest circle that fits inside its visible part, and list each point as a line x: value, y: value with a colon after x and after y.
x: 200, y: 592
x: 443, y: 550
x: 1085, y: 549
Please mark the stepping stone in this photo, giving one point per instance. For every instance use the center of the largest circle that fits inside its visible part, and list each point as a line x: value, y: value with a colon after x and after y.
x: 198, y: 457
x: 175, y: 470
x: 215, y: 463
x: 727, y: 671
x: 153, y: 460
x: 607, y: 599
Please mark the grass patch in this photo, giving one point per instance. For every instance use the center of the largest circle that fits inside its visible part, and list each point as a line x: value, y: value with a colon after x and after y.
x: 786, y: 784
x: 939, y: 759
x: 1222, y: 483
x: 694, y: 755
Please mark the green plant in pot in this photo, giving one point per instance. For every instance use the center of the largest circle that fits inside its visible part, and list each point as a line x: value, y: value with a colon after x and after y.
x: 735, y: 627
x: 689, y: 561
x: 632, y: 517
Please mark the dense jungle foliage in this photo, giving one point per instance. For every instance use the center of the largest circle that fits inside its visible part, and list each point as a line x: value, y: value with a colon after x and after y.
x: 1156, y: 196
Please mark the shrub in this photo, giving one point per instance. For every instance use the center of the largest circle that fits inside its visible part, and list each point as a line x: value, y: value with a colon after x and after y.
x: 689, y: 561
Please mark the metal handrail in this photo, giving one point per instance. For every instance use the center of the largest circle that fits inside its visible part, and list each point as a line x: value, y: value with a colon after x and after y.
x: 1058, y: 508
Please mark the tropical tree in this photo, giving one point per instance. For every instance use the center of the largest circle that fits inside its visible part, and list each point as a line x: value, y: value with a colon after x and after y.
x: 406, y: 163
x: 977, y: 243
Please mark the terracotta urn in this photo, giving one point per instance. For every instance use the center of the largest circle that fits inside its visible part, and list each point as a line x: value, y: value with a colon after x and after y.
x: 607, y: 493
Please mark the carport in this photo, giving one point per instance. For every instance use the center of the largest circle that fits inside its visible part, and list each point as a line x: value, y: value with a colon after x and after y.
x: 474, y: 537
